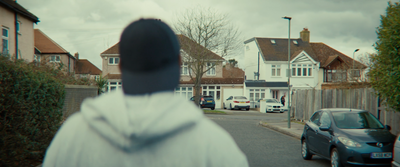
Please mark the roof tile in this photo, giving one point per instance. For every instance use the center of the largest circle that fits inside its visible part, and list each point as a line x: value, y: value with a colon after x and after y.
x: 84, y: 66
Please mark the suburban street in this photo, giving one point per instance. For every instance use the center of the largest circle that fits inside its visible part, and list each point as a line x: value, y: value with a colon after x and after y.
x: 262, y: 146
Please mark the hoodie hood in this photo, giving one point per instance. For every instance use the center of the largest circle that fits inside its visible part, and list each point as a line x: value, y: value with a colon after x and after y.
x: 130, y: 122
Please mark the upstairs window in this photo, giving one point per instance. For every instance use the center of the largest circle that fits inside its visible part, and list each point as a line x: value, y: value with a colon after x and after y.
x: 302, y: 70
x: 184, y: 69
x: 4, y: 36
x: 55, y: 58
x: 211, y: 67
x: 276, y: 70
x: 113, y: 60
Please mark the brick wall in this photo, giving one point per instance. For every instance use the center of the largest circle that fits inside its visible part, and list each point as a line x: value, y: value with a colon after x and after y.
x: 74, y: 96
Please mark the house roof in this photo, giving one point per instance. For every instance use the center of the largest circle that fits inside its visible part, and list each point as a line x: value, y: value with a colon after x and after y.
x: 190, y: 46
x: 263, y: 83
x: 229, y: 71
x: 113, y: 76
x: 112, y: 50
x: 325, y: 52
x: 278, y: 51
x: 46, y: 45
x: 14, y: 6
x: 84, y: 66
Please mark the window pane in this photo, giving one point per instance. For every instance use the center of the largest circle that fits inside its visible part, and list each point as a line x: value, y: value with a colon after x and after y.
x: 298, y: 71
x: 183, y: 88
x: 262, y: 90
x: 116, y: 60
x: 57, y: 58
x: 211, y: 87
x: 293, y: 71
x: 279, y: 66
x: 257, y: 96
x: 257, y: 89
x: 218, y: 95
x: 262, y: 95
x: 190, y: 89
x: 113, y: 83
x: 183, y: 94
x: 204, y: 87
x: 211, y: 93
x: 273, y: 72
x: 113, y: 87
x: 251, y: 96
x: 190, y: 94
x: 111, y: 60
x: 218, y: 87
x: 273, y: 66
x: 309, y: 71
x: 278, y: 72
x: 5, y: 32
x: 304, y: 71
x: 177, y: 89
x: 251, y: 89
x: 205, y: 93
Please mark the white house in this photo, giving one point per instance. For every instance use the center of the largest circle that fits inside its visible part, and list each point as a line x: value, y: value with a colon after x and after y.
x: 312, y: 65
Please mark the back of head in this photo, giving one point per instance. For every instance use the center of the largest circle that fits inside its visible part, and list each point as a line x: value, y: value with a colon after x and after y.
x: 149, y: 53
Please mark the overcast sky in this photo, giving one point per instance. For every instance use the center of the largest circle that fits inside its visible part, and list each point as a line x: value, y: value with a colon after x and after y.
x: 90, y: 27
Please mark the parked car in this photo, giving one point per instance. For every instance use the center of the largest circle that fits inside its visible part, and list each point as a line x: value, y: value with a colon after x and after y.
x: 396, y: 153
x: 206, y: 102
x: 273, y: 105
x: 237, y: 102
x: 347, y: 137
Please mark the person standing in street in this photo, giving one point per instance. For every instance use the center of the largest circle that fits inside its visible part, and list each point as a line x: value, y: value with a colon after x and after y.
x: 144, y: 124
x: 283, y: 100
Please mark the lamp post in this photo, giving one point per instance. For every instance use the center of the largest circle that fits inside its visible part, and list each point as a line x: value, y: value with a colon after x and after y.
x: 351, y: 72
x: 288, y: 71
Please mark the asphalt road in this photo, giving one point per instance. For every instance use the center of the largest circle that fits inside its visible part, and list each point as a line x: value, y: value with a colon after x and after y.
x: 262, y: 146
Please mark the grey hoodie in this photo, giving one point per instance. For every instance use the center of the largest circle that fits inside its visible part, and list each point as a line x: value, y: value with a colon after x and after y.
x: 161, y: 129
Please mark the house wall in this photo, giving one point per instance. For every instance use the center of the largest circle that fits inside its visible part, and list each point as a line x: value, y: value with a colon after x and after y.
x: 109, y: 68
x: 25, y: 37
x: 218, y: 73
x: 63, y: 59
x: 251, y: 60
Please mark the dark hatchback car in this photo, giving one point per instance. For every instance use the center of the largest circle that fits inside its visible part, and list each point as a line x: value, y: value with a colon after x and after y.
x: 206, y: 102
x: 347, y: 137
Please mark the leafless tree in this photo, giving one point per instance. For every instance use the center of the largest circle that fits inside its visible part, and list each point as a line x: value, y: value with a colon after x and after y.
x: 204, y: 32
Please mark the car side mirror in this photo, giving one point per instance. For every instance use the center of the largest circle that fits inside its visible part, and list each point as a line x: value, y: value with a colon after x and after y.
x: 324, y: 128
x: 388, y: 127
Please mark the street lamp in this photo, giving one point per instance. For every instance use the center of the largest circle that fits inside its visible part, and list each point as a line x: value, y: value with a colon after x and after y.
x: 288, y: 71
x: 352, y: 72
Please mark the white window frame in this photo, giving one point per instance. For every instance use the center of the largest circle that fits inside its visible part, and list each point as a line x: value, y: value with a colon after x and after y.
x: 55, y: 58
x: 300, y: 69
x: 6, y: 39
x: 184, y: 91
x: 36, y: 58
x: 256, y: 94
x: 276, y: 70
x: 211, y: 67
x: 113, y: 60
x: 114, y: 85
x: 214, y: 88
x: 184, y: 69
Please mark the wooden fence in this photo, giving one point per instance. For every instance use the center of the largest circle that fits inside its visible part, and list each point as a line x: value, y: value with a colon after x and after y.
x: 306, y: 102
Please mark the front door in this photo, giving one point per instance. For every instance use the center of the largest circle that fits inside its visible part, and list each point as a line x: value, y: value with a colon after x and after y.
x: 275, y: 94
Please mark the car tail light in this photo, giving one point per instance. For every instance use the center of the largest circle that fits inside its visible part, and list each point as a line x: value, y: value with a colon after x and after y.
x: 247, y: 101
x: 202, y: 99
x: 235, y: 101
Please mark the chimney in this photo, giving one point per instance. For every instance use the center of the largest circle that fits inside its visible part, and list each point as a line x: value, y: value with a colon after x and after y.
x: 305, y: 35
x: 77, y: 55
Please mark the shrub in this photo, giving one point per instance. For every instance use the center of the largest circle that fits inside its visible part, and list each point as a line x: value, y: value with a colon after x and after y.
x: 31, y: 100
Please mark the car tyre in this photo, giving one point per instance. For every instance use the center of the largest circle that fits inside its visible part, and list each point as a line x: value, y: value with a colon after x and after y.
x: 224, y: 105
x: 230, y: 106
x: 212, y: 108
x: 335, y: 158
x: 305, y: 153
x: 247, y: 109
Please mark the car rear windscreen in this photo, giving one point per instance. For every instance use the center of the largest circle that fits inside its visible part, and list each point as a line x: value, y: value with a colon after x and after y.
x: 240, y: 97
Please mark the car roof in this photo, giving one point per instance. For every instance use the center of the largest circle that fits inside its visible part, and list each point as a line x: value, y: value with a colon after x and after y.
x: 343, y: 110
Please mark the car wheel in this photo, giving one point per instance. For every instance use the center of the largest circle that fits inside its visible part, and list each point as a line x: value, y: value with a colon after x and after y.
x: 335, y: 159
x: 281, y: 111
x: 230, y: 106
x: 247, y: 109
x: 304, y: 151
x: 224, y: 106
x: 212, y: 108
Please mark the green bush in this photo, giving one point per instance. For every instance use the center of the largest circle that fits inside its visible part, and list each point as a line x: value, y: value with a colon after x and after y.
x: 31, y: 100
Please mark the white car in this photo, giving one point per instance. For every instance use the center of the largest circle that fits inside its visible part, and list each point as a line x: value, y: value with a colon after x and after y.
x: 237, y: 102
x: 396, y: 153
x: 273, y: 105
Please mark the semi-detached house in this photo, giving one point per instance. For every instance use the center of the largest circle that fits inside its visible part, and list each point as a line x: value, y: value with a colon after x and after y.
x: 221, y: 81
x: 312, y: 65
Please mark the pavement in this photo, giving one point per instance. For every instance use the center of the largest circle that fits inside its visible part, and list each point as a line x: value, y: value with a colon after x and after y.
x: 295, y: 130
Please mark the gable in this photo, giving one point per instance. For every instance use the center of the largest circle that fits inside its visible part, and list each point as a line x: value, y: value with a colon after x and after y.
x: 45, y: 44
x: 303, y: 58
